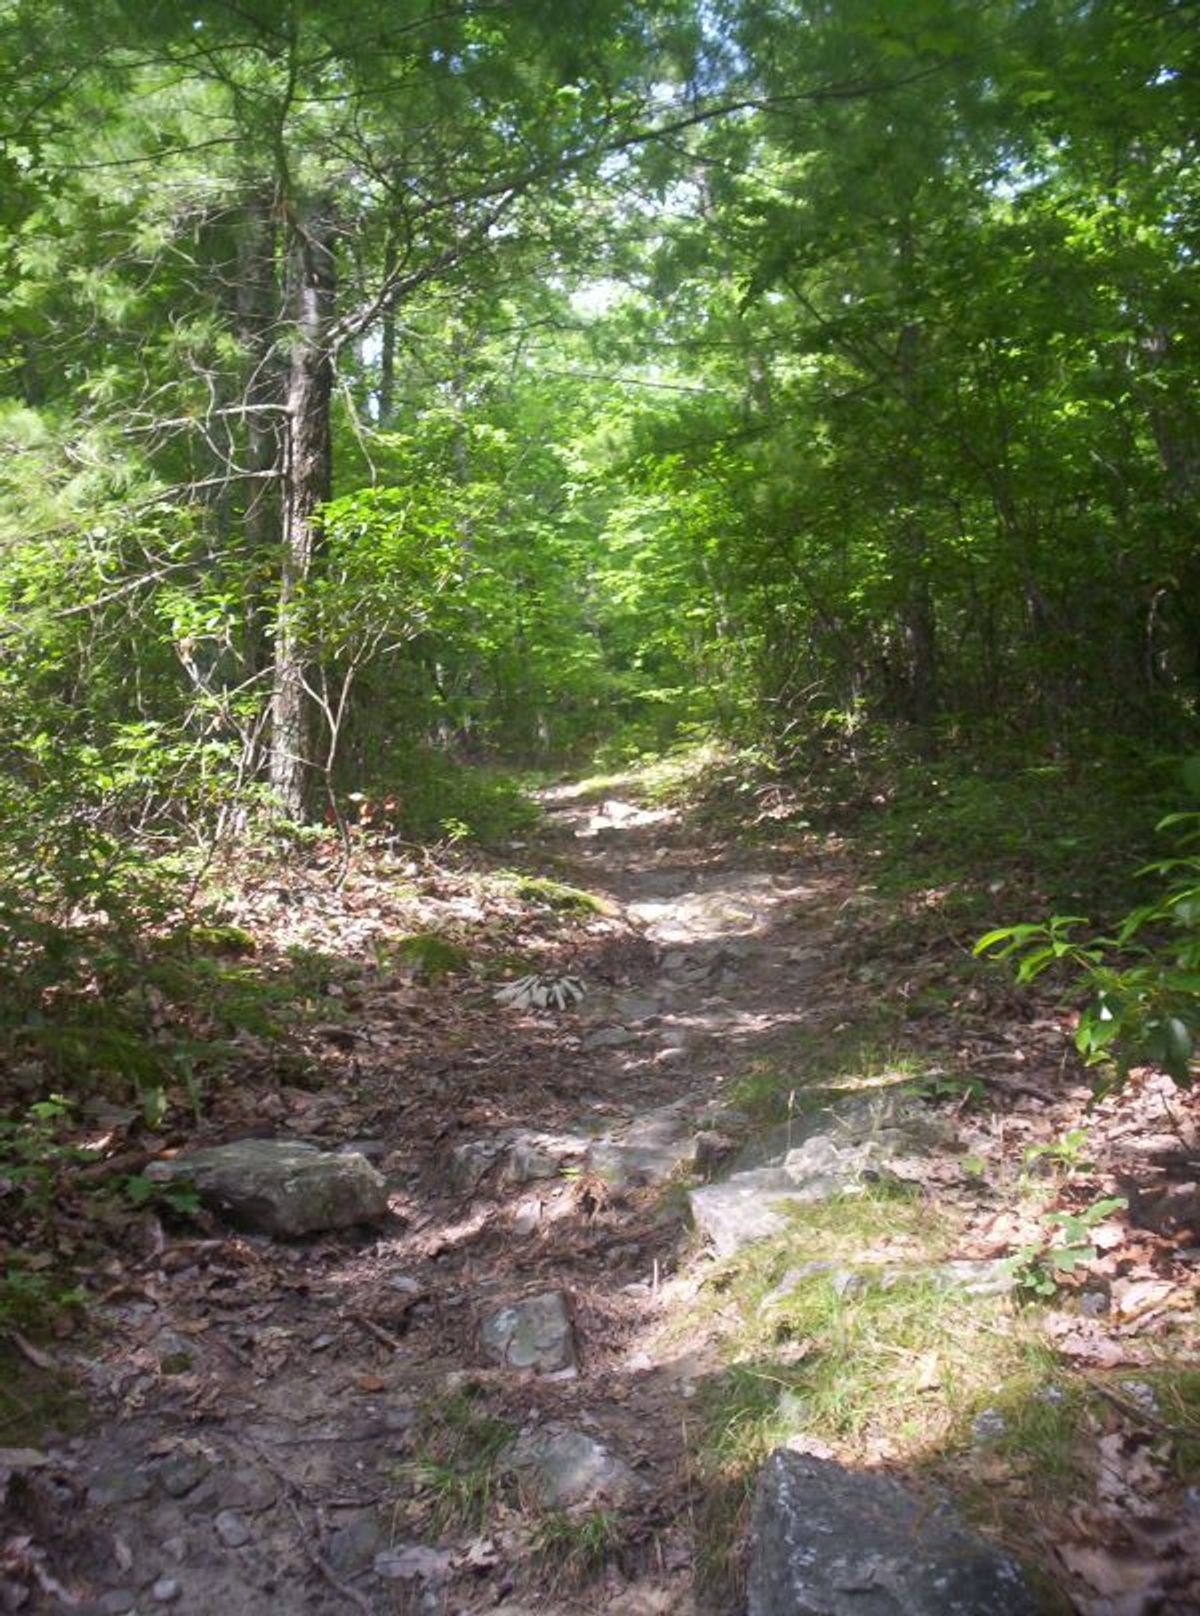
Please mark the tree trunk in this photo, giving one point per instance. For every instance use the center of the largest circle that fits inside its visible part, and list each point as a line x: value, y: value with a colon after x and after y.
x: 386, y: 407
x: 307, y: 484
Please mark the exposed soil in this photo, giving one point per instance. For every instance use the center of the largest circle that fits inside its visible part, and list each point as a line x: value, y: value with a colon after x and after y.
x: 263, y: 1404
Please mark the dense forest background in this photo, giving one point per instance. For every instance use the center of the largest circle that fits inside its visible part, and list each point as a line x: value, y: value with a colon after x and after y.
x: 393, y: 388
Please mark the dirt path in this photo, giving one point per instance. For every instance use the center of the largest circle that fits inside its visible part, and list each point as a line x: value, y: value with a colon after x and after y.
x: 313, y: 1426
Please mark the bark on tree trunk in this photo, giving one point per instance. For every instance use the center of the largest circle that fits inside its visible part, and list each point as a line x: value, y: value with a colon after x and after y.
x: 256, y: 314
x: 307, y: 483
x: 387, y: 348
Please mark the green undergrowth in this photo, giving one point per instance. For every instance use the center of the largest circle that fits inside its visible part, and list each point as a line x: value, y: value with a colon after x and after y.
x: 452, y: 1480
x: 570, y: 1549
x: 558, y: 895
x: 428, y: 955
x: 156, y: 1020
x: 429, y: 797
x: 35, y: 1402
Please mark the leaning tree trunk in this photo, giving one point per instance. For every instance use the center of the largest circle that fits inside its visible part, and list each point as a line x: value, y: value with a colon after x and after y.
x: 308, y: 473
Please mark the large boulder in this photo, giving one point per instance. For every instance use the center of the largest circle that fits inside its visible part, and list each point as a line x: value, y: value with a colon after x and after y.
x: 280, y: 1186
x: 828, y: 1541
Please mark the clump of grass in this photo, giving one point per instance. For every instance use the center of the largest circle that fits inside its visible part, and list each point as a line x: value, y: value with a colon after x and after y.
x: 34, y: 1401
x: 221, y: 939
x: 454, y: 1473
x: 571, y: 1549
x: 872, y: 1359
x: 429, y: 956
x: 558, y: 895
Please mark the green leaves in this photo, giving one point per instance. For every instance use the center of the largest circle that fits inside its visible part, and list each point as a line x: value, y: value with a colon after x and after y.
x: 1064, y: 1246
x: 1143, y: 983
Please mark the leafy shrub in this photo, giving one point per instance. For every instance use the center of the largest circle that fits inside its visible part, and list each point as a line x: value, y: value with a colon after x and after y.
x: 1143, y: 981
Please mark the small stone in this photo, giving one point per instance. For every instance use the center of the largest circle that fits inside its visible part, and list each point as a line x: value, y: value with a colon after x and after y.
x: 526, y: 1218
x: 1093, y: 1303
x: 166, y: 1591
x: 232, y: 1529
x: 532, y: 1156
x: 533, y: 1334
x: 567, y: 1469
x: 471, y: 1162
x: 175, y: 1548
x: 609, y: 1038
x: 988, y: 1425
x: 116, y: 1602
x: 119, y: 1486
x: 416, y: 1563
x: 711, y: 1149
x: 1139, y: 1392
x: 405, y: 1285
x: 184, y: 1472
x: 355, y: 1544
x: 250, y: 1490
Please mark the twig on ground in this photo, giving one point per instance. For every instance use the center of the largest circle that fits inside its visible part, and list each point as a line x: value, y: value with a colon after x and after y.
x: 384, y: 1337
x: 35, y: 1355
x: 291, y: 1491
x: 1142, y: 1416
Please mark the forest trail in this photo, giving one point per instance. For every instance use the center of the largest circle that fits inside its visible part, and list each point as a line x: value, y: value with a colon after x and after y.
x: 316, y: 1426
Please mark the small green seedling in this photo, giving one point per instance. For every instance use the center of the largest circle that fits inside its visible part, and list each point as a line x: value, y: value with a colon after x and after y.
x: 1040, y: 1267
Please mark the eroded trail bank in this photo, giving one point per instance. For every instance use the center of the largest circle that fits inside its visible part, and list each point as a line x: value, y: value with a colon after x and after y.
x: 468, y: 1348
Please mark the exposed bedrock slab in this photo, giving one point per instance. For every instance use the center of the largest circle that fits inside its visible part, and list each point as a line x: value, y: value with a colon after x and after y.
x: 828, y: 1541
x: 532, y: 1156
x: 518, y: 1156
x: 567, y: 1469
x: 281, y: 1186
x: 533, y: 1334
x: 748, y: 1207
x: 647, y: 1150
x: 832, y: 1151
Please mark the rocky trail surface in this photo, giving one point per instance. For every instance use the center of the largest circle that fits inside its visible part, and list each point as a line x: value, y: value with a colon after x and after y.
x: 430, y: 1350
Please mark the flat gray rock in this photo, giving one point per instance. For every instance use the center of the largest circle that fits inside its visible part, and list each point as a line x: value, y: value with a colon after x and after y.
x: 609, y: 1038
x: 646, y: 1151
x: 353, y: 1546
x: 832, y: 1151
x: 533, y: 1156
x: 281, y: 1186
x: 533, y: 1334
x: 565, y: 1469
x: 828, y: 1541
x: 472, y: 1161
x: 748, y: 1207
